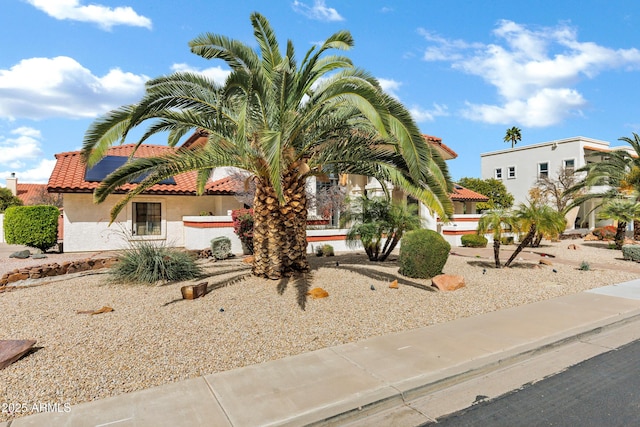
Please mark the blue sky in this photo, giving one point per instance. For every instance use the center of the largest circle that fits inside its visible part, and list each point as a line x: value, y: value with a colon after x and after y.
x: 467, y: 70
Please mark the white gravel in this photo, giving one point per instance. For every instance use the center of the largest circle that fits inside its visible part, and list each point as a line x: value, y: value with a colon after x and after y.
x: 154, y: 337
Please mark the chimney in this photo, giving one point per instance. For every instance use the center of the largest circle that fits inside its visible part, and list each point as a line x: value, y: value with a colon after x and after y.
x: 12, y: 184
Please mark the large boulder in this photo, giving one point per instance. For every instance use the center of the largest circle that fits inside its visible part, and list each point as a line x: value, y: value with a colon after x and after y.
x: 21, y: 254
x: 448, y: 282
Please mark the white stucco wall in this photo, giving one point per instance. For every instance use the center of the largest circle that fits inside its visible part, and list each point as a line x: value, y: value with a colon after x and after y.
x: 86, y: 225
x: 527, y: 158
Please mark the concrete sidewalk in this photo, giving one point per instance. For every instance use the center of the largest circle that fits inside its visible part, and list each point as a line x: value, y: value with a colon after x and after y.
x: 343, y: 384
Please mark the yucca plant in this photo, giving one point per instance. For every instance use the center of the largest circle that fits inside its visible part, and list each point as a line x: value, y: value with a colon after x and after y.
x: 148, y: 263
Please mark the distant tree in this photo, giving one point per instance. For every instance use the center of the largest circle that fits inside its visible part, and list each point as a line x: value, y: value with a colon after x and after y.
x: 554, y: 190
x: 43, y: 197
x: 513, y: 135
x: 7, y: 199
x: 494, y: 189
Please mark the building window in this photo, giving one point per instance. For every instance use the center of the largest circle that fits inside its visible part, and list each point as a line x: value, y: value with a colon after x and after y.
x: 543, y: 170
x: 569, y: 164
x: 511, y: 172
x: 147, y: 219
x: 498, y: 173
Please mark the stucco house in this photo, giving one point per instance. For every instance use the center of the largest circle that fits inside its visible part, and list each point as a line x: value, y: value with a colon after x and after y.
x: 520, y: 168
x: 171, y: 212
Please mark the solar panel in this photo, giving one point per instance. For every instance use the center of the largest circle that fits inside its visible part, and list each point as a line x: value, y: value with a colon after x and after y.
x: 110, y: 163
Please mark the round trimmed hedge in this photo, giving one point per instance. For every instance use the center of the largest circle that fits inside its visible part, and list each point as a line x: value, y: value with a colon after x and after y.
x: 423, y: 254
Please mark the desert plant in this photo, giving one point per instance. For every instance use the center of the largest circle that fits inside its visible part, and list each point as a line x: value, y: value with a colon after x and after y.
x: 221, y: 247
x: 474, y: 241
x: 608, y: 232
x: 423, y: 254
x: 496, y: 221
x: 147, y: 263
x: 631, y: 252
x: 376, y: 220
x: 243, y: 227
x: 507, y: 240
x: 33, y: 226
x: 584, y: 266
x: 319, y: 251
x: 327, y: 250
x: 7, y: 199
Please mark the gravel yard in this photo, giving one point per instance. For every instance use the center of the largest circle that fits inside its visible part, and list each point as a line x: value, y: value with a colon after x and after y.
x: 154, y: 337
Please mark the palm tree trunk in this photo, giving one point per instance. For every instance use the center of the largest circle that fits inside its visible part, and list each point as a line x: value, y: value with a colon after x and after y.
x: 619, y: 237
x: 496, y: 251
x: 527, y: 239
x: 280, y: 230
x: 636, y: 230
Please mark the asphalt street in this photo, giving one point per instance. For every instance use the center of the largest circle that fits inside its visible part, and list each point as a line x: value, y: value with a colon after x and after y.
x: 602, y: 391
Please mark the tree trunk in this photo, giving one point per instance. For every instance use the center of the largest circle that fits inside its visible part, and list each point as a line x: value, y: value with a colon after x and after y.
x: 496, y: 251
x: 619, y: 238
x: 280, y: 230
x: 636, y: 230
x: 527, y: 239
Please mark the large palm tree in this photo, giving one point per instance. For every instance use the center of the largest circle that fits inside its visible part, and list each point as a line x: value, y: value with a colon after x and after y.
x: 496, y: 221
x: 623, y: 211
x: 618, y: 174
x: 282, y: 121
x: 513, y: 135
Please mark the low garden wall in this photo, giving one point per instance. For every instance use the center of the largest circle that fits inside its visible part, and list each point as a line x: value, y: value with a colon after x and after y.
x: 55, y: 269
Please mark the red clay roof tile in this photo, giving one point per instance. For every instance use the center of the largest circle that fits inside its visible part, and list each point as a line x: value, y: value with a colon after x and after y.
x: 69, y: 171
x: 30, y: 192
x: 461, y: 194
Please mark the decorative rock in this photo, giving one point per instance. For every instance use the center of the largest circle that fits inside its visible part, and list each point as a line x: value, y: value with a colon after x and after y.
x: 590, y: 237
x: 572, y: 247
x: 316, y: 293
x: 194, y: 291
x: 39, y: 256
x: 394, y: 284
x: 448, y: 282
x: 545, y: 262
x: 21, y: 254
x: 17, y: 276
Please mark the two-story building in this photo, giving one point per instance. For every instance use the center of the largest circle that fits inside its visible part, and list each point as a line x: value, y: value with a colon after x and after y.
x: 520, y: 168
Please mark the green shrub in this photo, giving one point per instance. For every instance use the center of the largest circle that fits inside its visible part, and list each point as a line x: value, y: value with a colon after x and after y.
x: 243, y: 227
x: 584, y: 266
x: 631, y: 252
x: 506, y: 240
x: 423, y: 254
x: 147, y: 263
x: 221, y: 247
x: 327, y: 250
x: 474, y: 241
x: 7, y: 199
x: 33, y: 226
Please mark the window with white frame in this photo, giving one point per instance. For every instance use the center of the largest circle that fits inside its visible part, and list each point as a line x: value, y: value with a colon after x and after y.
x: 543, y: 170
x: 498, y: 173
x: 147, y: 219
x: 511, y: 172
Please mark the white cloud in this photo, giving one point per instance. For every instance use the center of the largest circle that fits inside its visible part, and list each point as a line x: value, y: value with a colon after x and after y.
x: 390, y: 86
x: 217, y: 74
x: 534, y: 71
x: 105, y: 17
x: 24, y: 144
x: 319, y: 11
x: 39, y: 88
x: 39, y: 174
x: 421, y: 115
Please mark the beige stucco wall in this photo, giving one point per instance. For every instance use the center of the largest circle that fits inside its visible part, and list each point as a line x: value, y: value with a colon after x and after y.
x: 86, y: 225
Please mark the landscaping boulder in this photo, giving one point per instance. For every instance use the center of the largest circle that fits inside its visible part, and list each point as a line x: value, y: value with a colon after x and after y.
x: 316, y: 293
x: 448, y: 282
x: 545, y: 262
x: 21, y: 254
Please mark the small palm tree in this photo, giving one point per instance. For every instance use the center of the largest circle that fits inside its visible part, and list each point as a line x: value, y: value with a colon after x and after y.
x: 375, y: 220
x: 623, y: 211
x: 496, y: 221
x: 537, y: 219
x: 513, y: 135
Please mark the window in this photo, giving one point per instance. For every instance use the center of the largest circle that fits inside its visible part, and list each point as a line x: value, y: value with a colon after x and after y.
x: 569, y: 164
x: 543, y: 170
x: 147, y: 219
x: 498, y: 174
x: 511, y: 172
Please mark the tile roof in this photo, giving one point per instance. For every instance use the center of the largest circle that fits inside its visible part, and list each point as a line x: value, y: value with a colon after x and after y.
x: 446, y: 152
x: 69, y: 172
x: 461, y: 194
x: 30, y: 192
